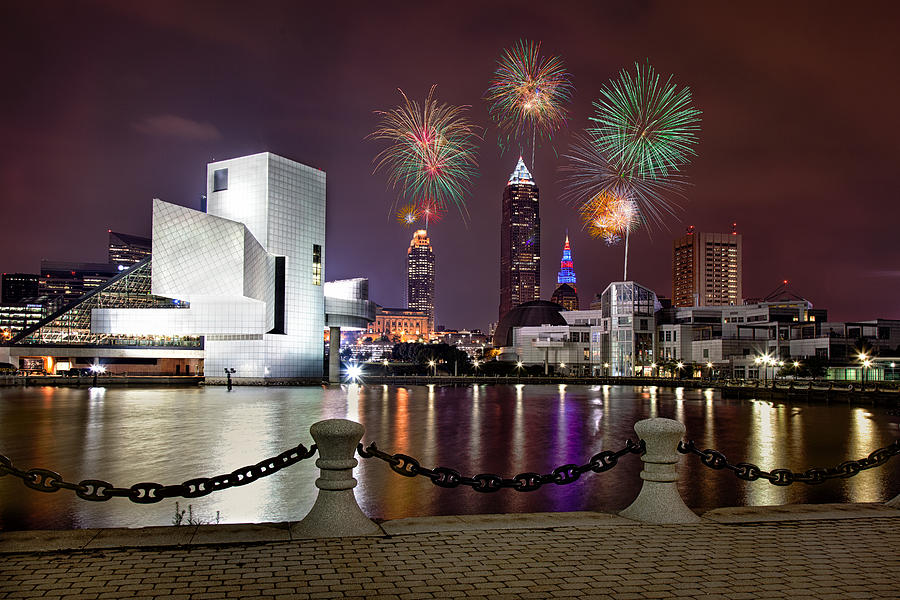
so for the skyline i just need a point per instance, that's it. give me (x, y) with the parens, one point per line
(110, 106)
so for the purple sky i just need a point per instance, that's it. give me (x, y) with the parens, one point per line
(108, 105)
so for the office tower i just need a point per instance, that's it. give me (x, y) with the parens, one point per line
(706, 269)
(520, 241)
(63, 282)
(566, 293)
(18, 286)
(126, 250)
(420, 275)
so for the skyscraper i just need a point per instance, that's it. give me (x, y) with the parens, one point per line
(420, 275)
(566, 293)
(520, 241)
(706, 269)
(126, 250)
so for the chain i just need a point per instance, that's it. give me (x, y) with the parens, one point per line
(97, 490)
(488, 482)
(750, 472)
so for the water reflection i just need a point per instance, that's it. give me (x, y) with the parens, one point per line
(166, 435)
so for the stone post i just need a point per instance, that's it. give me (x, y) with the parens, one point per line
(659, 500)
(895, 503)
(334, 355)
(335, 512)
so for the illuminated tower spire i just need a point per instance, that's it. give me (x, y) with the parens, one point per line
(566, 267)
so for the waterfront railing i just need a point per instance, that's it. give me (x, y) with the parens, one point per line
(338, 441)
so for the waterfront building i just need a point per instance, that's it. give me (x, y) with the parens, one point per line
(528, 314)
(403, 324)
(126, 250)
(520, 241)
(420, 275)
(15, 317)
(706, 269)
(16, 287)
(240, 287)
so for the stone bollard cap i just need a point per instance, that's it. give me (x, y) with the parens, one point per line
(661, 437)
(337, 438)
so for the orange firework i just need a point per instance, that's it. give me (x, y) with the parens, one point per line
(408, 214)
(609, 216)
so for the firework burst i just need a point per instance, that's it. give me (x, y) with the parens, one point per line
(648, 126)
(408, 214)
(529, 91)
(609, 216)
(432, 212)
(431, 151)
(590, 173)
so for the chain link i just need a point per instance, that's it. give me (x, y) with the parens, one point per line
(816, 475)
(488, 482)
(97, 490)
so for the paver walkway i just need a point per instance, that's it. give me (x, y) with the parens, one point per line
(841, 552)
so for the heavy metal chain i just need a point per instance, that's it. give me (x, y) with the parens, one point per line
(488, 482)
(97, 490)
(750, 472)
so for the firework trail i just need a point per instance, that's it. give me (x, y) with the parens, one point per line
(431, 150)
(529, 90)
(646, 125)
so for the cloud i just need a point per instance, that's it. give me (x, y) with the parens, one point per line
(178, 127)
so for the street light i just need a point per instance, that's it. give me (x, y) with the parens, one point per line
(354, 372)
(433, 366)
(864, 359)
(892, 370)
(680, 366)
(709, 366)
(653, 372)
(519, 367)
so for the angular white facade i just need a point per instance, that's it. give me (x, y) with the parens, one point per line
(251, 267)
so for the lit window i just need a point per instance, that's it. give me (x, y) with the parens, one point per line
(317, 265)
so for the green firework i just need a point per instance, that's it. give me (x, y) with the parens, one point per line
(647, 126)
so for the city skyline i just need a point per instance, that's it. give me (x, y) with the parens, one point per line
(811, 201)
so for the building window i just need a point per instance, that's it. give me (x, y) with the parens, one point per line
(220, 180)
(317, 265)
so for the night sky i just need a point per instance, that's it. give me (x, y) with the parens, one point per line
(108, 105)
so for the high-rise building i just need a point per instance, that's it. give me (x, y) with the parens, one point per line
(520, 241)
(64, 282)
(126, 250)
(420, 275)
(706, 269)
(16, 287)
(566, 293)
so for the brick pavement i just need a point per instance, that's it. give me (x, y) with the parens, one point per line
(799, 559)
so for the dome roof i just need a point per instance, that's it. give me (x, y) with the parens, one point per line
(528, 314)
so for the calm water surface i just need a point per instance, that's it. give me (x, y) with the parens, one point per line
(170, 435)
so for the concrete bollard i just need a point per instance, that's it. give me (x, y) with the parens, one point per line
(335, 512)
(895, 503)
(659, 500)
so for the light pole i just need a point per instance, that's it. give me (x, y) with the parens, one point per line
(384, 363)
(433, 366)
(476, 364)
(562, 366)
(96, 369)
(892, 370)
(680, 366)
(519, 367)
(653, 371)
(864, 359)
(606, 369)
(709, 366)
